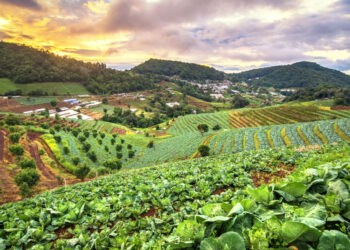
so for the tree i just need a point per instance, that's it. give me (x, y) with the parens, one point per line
(204, 150)
(16, 149)
(217, 127)
(82, 172)
(12, 120)
(66, 150)
(203, 128)
(239, 101)
(105, 101)
(150, 144)
(119, 147)
(29, 176)
(28, 163)
(131, 154)
(14, 137)
(53, 103)
(76, 160)
(112, 164)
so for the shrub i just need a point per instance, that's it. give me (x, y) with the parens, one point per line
(57, 127)
(29, 176)
(106, 148)
(12, 120)
(86, 146)
(87, 134)
(16, 149)
(129, 146)
(82, 172)
(112, 164)
(41, 151)
(27, 163)
(122, 141)
(76, 160)
(204, 150)
(131, 154)
(44, 125)
(81, 138)
(102, 135)
(66, 150)
(94, 134)
(59, 179)
(115, 135)
(25, 190)
(99, 141)
(14, 137)
(92, 156)
(203, 128)
(119, 147)
(57, 138)
(75, 132)
(217, 127)
(119, 155)
(52, 131)
(150, 144)
(105, 100)
(112, 141)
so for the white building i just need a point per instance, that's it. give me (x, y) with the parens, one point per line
(172, 104)
(217, 96)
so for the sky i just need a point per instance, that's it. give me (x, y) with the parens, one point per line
(230, 35)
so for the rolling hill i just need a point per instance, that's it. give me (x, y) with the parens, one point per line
(300, 74)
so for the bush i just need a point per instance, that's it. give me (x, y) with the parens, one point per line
(86, 146)
(28, 163)
(94, 135)
(115, 135)
(99, 141)
(14, 137)
(102, 135)
(217, 127)
(119, 147)
(131, 154)
(81, 138)
(57, 127)
(129, 146)
(92, 156)
(204, 150)
(203, 128)
(75, 132)
(82, 172)
(29, 176)
(16, 149)
(112, 164)
(119, 155)
(66, 150)
(105, 101)
(12, 120)
(106, 148)
(57, 138)
(44, 125)
(112, 141)
(25, 190)
(41, 151)
(59, 179)
(150, 144)
(87, 134)
(122, 141)
(52, 131)
(76, 160)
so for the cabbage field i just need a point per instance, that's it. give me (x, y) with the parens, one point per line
(207, 203)
(238, 140)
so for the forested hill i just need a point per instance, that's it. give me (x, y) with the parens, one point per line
(186, 71)
(301, 74)
(23, 64)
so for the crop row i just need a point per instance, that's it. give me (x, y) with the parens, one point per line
(206, 203)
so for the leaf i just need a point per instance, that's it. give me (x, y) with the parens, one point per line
(237, 209)
(231, 241)
(213, 209)
(292, 231)
(218, 219)
(261, 194)
(333, 240)
(190, 230)
(339, 188)
(210, 244)
(295, 189)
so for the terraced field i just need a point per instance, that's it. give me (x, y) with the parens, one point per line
(105, 127)
(92, 149)
(237, 140)
(256, 118)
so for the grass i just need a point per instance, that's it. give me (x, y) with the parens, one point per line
(35, 100)
(57, 88)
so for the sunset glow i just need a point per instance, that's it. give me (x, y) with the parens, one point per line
(229, 35)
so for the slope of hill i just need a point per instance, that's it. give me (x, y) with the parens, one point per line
(207, 203)
(187, 71)
(23, 64)
(301, 74)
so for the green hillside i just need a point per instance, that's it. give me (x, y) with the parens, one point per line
(187, 71)
(301, 74)
(51, 88)
(208, 203)
(23, 64)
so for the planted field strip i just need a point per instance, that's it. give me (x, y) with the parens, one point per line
(189, 123)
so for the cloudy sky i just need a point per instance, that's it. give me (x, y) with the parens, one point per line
(230, 35)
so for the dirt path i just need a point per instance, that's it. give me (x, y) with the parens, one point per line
(46, 172)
